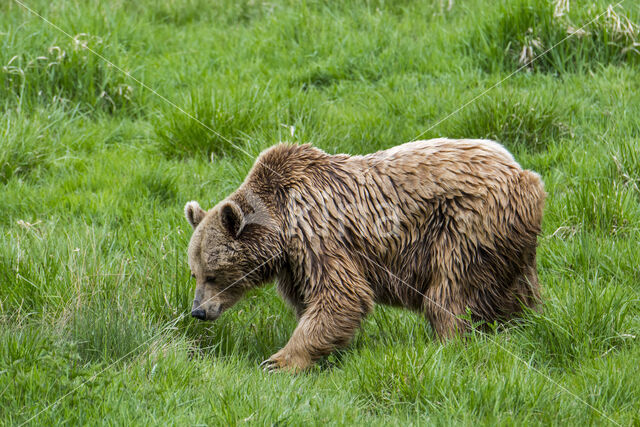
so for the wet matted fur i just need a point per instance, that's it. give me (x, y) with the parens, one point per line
(440, 226)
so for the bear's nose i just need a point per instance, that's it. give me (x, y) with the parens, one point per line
(199, 313)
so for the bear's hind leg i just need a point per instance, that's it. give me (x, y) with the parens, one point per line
(444, 310)
(527, 287)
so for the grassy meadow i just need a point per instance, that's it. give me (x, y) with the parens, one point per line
(95, 290)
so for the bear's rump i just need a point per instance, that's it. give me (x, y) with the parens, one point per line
(486, 261)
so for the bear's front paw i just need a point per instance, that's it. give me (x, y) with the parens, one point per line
(283, 361)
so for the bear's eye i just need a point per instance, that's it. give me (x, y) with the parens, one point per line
(210, 279)
(193, 276)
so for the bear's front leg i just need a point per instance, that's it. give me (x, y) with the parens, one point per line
(328, 323)
(294, 357)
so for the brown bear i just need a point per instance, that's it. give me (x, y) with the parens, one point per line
(444, 227)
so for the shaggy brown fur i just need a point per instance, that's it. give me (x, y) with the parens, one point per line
(438, 226)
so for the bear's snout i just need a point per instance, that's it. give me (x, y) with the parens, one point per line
(204, 312)
(199, 313)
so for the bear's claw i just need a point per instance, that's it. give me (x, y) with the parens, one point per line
(285, 361)
(270, 365)
(267, 365)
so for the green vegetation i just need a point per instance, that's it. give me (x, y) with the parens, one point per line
(95, 170)
(521, 30)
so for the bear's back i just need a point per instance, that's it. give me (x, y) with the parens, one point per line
(416, 175)
(446, 166)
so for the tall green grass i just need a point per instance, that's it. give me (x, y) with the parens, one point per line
(28, 143)
(65, 74)
(576, 38)
(522, 120)
(95, 292)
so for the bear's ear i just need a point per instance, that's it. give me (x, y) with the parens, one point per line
(194, 213)
(232, 218)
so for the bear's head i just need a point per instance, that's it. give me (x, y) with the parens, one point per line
(230, 252)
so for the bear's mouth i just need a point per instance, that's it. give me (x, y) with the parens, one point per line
(206, 313)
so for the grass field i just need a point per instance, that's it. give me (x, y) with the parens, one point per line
(95, 291)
